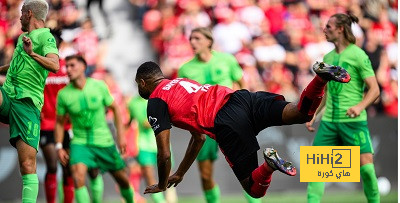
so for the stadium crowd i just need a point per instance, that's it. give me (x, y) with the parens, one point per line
(274, 41)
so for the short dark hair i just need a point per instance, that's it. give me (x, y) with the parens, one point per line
(78, 58)
(148, 70)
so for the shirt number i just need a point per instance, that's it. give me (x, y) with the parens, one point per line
(192, 88)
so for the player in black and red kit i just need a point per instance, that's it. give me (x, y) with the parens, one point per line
(54, 82)
(232, 118)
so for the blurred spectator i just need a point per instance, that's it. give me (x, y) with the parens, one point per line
(229, 35)
(86, 43)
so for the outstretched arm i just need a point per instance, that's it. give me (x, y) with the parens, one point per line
(196, 142)
(163, 162)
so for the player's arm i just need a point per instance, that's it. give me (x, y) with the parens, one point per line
(371, 95)
(4, 68)
(119, 126)
(196, 142)
(50, 62)
(59, 137)
(309, 125)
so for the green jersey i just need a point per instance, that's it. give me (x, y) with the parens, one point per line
(138, 111)
(26, 77)
(222, 69)
(86, 109)
(340, 97)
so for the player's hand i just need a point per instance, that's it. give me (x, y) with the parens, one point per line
(122, 144)
(309, 125)
(63, 156)
(354, 111)
(27, 45)
(174, 180)
(152, 189)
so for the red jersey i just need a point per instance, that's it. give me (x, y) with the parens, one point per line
(186, 104)
(54, 82)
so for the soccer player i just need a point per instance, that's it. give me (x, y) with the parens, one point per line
(147, 156)
(345, 119)
(84, 100)
(54, 82)
(233, 119)
(214, 68)
(22, 93)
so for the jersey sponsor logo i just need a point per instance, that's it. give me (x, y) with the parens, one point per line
(153, 123)
(55, 80)
(172, 83)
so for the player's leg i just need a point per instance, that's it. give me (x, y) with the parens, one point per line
(122, 180)
(96, 185)
(327, 135)
(147, 161)
(50, 157)
(357, 134)
(79, 171)
(68, 181)
(205, 159)
(27, 163)
(109, 159)
(312, 95)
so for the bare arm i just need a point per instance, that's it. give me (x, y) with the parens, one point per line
(4, 68)
(195, 144)
(50, 62)
(309, 125)
(371, 95)
(119, 126)
(59, 137)
(163, 162)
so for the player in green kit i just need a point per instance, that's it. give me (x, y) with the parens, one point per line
(84, 100)
(21, 98)
(345, 119)
(147, 156)
(214, 68)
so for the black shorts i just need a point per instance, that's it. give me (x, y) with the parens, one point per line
(47, 137)
(238, 123)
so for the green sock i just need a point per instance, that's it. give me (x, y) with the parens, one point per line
(251, 199)
(315, 190)
(370, 182)
(158, 197)
(127, 194)
(82, 195)
(30, 188)
(213, 195)
(97, 188)
(60, 191)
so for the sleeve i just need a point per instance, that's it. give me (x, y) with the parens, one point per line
(108, 98)
(365, 68)
(158, 116)
(236, 70)
(60, 108)
(49, 44)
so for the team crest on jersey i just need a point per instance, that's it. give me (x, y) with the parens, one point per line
(153, 123)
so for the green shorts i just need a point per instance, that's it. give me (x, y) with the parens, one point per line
(23, 118)
(105, 158)
(146, 158)
(344, 134)
(209, 151)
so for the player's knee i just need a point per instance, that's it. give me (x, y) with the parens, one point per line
(79, 179)
(28, 166)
